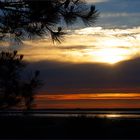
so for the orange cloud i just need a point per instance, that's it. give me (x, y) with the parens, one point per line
(106, 100)
(99, 96)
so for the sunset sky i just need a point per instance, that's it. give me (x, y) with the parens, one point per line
(94, 67)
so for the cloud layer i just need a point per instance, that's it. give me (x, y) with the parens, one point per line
(88, 45)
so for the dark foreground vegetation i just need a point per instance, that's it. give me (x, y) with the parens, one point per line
(68, 127)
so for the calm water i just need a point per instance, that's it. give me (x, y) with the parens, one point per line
(100, 114)
(129, 114)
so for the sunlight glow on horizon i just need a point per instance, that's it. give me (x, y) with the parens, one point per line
(95, 96)
(98, 100)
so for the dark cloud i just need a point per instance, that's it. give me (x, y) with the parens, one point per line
(57, 75)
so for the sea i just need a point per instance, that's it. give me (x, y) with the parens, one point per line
(93, 113)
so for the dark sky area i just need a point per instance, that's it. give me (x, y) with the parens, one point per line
(79, 78)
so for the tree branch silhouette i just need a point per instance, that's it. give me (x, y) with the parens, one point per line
(24, 19)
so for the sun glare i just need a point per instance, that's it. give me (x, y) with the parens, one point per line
(111, 55)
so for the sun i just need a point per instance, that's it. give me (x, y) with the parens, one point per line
(110, 55)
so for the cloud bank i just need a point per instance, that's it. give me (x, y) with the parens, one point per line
(88, 45)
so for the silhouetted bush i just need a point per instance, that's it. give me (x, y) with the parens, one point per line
(14, 90)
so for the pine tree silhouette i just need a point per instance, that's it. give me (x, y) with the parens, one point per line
(24, 19)
(13, 89)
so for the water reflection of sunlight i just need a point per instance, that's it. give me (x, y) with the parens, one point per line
(119, 116)
(113, 116)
